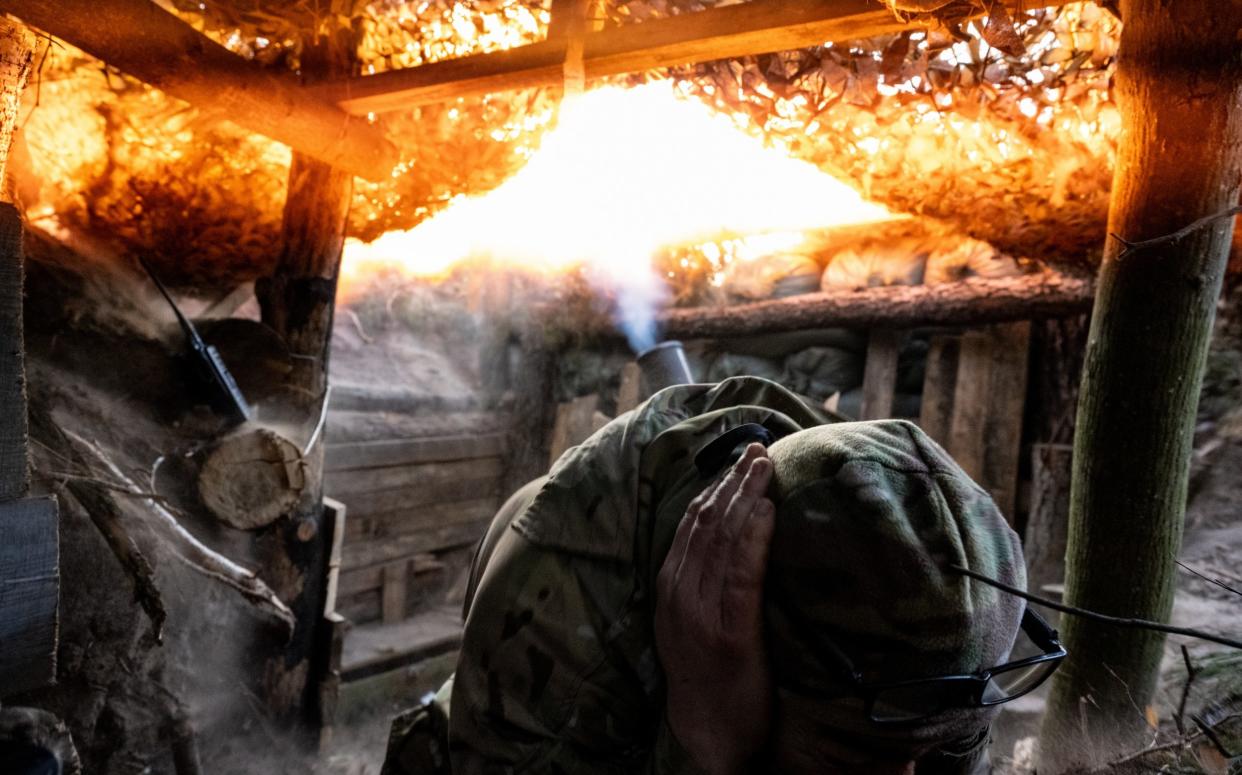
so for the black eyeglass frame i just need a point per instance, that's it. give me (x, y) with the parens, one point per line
(970, 686)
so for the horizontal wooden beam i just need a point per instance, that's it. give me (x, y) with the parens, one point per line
(756, 27)
(145, 41)
(972, 302)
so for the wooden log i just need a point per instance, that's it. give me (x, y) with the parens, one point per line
(297, 302)
(145, 41)
(939, 382)
(29, 590)
(1006, 406)
(251, 478)
(880, 374)
(757, 27)
(401, 452)
(972, 302)
(1179, 160)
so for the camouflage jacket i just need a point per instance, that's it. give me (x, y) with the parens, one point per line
(558, 671)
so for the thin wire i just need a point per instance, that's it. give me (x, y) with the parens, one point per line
(1138, 624)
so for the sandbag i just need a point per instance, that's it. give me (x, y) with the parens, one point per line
(818, 372)
(771, 277)
(968, 258)
(728, 365)
(871, 264)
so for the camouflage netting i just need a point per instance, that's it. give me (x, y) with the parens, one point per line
(1006, 129)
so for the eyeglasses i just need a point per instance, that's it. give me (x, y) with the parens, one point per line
(899, 702)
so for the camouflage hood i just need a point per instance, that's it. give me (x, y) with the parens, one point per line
(870, 515)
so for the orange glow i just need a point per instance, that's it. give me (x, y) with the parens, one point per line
(624, 173)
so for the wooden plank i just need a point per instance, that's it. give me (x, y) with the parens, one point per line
(757, 27)
(395, 580)
(145, 41)
(29, 591)
(361, 607)
(630, 394)
(409, 451)
(970, 403)
(364, 553)
(413, 520)
(574, 423)
(1011, 344)
(14, 468)
(334, 515)
(939, 381)
(1047, 528)
(371, 508)
(378, 646)
(366, 480)
(880, 374)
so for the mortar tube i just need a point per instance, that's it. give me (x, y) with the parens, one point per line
(664, 365)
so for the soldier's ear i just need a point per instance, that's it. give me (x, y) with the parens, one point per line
(727, 448)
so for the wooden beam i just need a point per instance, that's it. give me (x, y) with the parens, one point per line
(972, 302)
(145, 41)
(757, 27)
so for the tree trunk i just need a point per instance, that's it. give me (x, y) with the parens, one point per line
(1179, 85)
(297, 302)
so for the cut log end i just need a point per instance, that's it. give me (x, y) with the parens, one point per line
(252, 478)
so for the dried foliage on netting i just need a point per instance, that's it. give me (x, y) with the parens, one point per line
(1005, 129)
(1013, 146)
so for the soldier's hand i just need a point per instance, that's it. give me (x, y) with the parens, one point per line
(709, 620)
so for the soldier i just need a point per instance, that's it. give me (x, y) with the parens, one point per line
(637, 612)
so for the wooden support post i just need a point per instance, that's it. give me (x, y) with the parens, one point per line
(29, 543)
(297, 302)
(880, 374)
(1179, 160)
(396, 581)
(939, 382)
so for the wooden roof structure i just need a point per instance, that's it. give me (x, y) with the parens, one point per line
(155, 46)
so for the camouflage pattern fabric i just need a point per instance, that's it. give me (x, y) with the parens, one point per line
(558, 671)
(896, 511)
